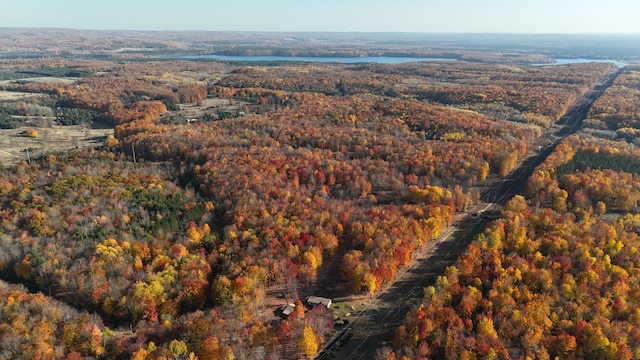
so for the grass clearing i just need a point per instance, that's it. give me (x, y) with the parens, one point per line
(42, 79)
(16, 95)
(54, 138)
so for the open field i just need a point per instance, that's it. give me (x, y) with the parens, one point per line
(16, 95)
(210, 105)
(209, 108)
(14, 143)
(43, 79)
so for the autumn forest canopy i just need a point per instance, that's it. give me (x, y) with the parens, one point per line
(166, 208)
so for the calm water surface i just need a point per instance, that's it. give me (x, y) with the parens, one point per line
(581, 61)
(374, 59)
(345, 60)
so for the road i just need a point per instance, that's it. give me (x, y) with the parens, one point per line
(375, 325)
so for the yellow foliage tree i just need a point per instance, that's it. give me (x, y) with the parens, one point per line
(146, 293)
(95, 340)
(111, 142)
(141, 354)
(137, 263)
(370, 282)
(228, 353)
(221, 290)
(194, 235)
(310, 265)
(483, 171)
(310, 260)
(109, 249)
(329, 243)
(308, 343)
(178, 348)
(485, 327)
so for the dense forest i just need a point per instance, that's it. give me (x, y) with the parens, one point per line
(172, 239)
(556, 276)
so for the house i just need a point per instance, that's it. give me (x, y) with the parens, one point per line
(316, 300)
(288, 309)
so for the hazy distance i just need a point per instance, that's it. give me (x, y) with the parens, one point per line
(456, 16)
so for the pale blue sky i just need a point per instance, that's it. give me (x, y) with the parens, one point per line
(493, 16)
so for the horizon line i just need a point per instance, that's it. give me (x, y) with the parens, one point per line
(313, 31)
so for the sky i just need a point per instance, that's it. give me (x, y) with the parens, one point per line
(430, 16)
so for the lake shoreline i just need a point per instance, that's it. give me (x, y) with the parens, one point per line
(373, 59)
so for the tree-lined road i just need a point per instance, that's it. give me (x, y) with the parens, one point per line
(376, 323)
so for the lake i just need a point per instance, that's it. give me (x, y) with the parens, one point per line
(372, 59)
(581, 61)
(344, 60)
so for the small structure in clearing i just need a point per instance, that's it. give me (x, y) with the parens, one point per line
(317, 300)
(288, 309)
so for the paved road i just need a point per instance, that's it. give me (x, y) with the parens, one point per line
(375, 325)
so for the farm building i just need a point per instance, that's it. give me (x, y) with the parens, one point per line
(288, 309)
(316, 300)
